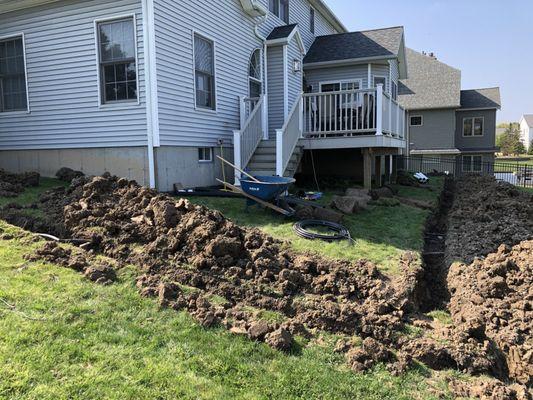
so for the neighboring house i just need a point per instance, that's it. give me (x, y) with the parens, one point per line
(526, 130)
(444, 121)
(153, 90)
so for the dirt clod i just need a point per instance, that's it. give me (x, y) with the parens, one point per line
(11, 185)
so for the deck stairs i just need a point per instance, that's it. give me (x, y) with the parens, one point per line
(263, 162)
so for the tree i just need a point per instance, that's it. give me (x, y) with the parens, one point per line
(530, 151)
(509, 142)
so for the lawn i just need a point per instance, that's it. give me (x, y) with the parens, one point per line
(66, 338)
(381, 233)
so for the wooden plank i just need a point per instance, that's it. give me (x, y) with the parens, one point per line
(257, 200)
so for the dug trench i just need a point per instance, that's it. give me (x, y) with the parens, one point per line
(192, 258)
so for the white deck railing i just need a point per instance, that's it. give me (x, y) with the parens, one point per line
(246, 140)
(288, 136)
(352, 113)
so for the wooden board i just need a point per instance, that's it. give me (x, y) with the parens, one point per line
(257, 200)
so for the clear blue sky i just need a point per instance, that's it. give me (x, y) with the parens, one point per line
(491, 41)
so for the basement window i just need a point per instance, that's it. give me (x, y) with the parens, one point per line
(416, 120)
(205, 154)
(472, 163)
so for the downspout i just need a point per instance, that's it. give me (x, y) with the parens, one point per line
(263, 39)
(150, 82)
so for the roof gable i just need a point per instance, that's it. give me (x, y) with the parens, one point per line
(283, 35)
(344, 47)
(431, 84)
(529, 119)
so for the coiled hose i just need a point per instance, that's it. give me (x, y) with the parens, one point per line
(339, 232)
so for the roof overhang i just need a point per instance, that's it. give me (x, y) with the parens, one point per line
(330, 16)
(436, 151)
(419, 109)
(14, 5)
(402, 59)
(295, 34)
(479, 109)
(353, 61)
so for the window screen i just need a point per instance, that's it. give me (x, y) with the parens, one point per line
(13, 96)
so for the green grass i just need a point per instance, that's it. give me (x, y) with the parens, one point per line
(382, 234)
(66, 338)
(31, 194)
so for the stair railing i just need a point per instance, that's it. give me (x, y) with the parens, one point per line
(246, 140)
(288, 136)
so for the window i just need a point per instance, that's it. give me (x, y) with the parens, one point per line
(416, 120)
(118, 63)
(205, 154)
(255, 75)
(472, 163)
(13, 96)
(381, 80)
(280, 8)
(204, 71)
(337, 86)
(473, 126)
(312, 20)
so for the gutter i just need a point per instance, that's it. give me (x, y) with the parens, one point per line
(350, 61)
(150, 80)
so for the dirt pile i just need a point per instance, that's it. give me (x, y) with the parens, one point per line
(486, 214)
(11, 185)
(93, 269)
(492, 301)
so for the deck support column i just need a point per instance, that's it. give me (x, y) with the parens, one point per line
(379, 171)
(367, 168)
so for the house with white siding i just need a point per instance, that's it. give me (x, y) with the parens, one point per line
(153, 90)
(526, 130)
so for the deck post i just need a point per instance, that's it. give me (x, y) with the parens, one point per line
(237, 155)
(279, 152)
(367, 168)
(242, 107)
(265, 117)
(379, 110)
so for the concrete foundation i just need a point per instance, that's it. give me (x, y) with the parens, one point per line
(127, 162)
(180, 165)
(173, 164)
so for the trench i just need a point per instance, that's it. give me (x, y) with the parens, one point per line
(433, 284)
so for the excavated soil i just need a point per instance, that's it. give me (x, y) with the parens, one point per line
(11, 185)
(192, 258)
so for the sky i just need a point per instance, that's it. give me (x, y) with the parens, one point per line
(490, 41)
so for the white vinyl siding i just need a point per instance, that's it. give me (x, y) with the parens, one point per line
(336, 74)
(62, 71)
(275, 89)
(180, 123)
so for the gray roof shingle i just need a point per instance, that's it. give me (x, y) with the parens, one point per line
(354, 45)
(431, 84)
(281, 32)
(529, 119)
(481, 98)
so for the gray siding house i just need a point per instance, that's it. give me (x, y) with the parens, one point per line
(445, 122)
(153, 90)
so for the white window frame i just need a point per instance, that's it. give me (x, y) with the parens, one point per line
(416, 116)
(28, 109)
(312, 20)
(279, 11)
(118, 104)
(386, 88)
(208, 150)
(473, 135)
(215, 71)
(341, 82)
(472, 163)
(251, 77)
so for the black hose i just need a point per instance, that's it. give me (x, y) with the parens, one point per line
(341, 233)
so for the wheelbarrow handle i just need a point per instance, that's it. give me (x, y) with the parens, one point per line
(238, 169)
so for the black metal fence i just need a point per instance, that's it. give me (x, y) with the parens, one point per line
(518, 174)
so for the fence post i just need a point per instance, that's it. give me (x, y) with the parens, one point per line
(379, 110)
(237, 155)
